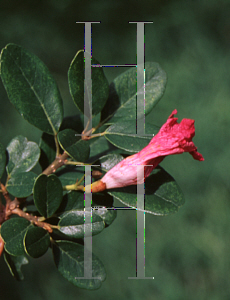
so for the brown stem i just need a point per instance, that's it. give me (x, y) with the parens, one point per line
(2, 214)
(33, 219)
(57, 145)
(6, 196)
(12, 207)
(87, 125)
(86, 135)
(57, 163)
(75, 163)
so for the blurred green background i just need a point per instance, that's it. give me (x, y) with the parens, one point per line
(188, 252)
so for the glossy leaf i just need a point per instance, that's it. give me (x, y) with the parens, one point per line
(102, 205)
(69, 259)
(36, 241)
(72, 223)
(76, 78)
(74, 200)
(21, 184)
(73, 144)
(108, 161)
(69, 174)
(47, 194)
(163, 196)
(2, 159)
(73, 122)
(14, 264)
(123, 135)
(47, 143)
(122, 98)
(107, 214)
(71, 201)
(77, 122)
(23, 155)
(31, 88)
(98, 146)
(13, 232)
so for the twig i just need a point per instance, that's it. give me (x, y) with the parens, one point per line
(57, 145)
(69, 162)
(12, 207)
(75, 186)
(6, 196)
(57, 163)
(97, 134)
(33, 219)
(87, 125)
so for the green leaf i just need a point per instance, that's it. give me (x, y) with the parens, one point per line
(102, 204)
(15, 263)
(108, 215)
(23, 155)
(69, 174)
(99, 146)
(72, 223)
(73, 122)
(47, 143)
(122, 99)
(163, 196)
(76, 78)
(69, 259)
(103, 146)
(47, 194)
(77, 122)
(123, 135)
(21, 184)
(108, 161)
(36, 241)
(2, 159)
(73, 144)
(31, 88)
(13, 232)
(74, 200)
(71, 201)
(48, 150)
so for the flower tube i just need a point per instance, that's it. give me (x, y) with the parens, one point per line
(172, 138)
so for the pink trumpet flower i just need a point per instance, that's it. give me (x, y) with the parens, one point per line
(172, 138)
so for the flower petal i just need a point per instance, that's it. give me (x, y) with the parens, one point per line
(173, 138)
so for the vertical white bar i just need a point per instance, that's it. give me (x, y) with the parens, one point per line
(88, 81)
(140, 123)
(140, 79)
(140, 238)
(140, 264)
(87, 227)
(88, 124)
(88, 253)
(140, 224)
